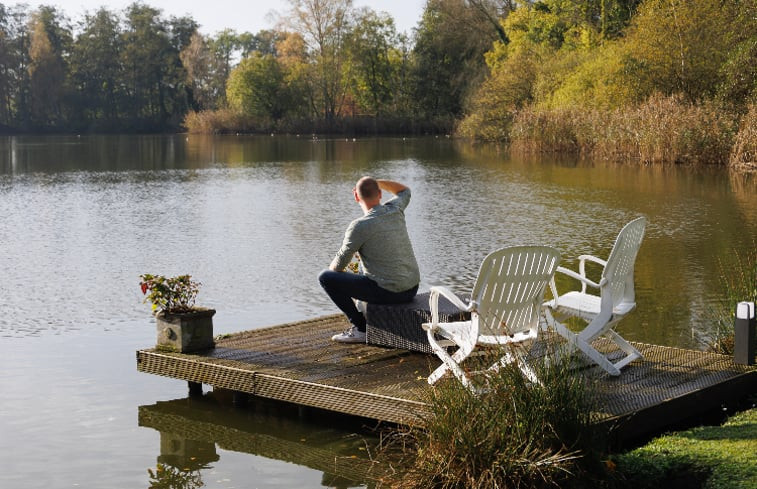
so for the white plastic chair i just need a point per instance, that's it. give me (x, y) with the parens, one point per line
(505, 306)
(602, 312)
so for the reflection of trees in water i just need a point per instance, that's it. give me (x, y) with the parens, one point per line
(167, 477)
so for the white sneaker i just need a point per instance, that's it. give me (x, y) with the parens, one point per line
(352, 335)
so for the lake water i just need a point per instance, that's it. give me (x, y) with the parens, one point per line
(255, 219)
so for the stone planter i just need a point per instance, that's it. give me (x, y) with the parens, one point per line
(185, 332)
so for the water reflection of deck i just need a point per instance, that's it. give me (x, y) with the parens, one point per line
(297, 363)
(191, 429)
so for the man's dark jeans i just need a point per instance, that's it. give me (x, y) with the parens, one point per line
(342, 287)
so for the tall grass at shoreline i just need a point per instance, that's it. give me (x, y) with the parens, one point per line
(516, 434)
(221, 121)
(744, 154)
(228, 121)
(663, 129)
(738, 280)
(660, 130)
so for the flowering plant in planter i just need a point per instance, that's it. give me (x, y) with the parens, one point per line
(182, 326)
(170, 295)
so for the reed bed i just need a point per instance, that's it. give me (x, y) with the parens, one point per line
(225, 121)
(664, 129)
(221, 121)
(744, 154)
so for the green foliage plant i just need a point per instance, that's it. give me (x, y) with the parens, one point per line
(169, 295)
(708, 457)
(515, 434)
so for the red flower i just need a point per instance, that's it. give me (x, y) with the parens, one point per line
(144, 288)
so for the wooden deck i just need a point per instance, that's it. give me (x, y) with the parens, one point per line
(298, 363)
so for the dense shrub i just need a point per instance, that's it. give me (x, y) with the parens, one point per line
(517, 434)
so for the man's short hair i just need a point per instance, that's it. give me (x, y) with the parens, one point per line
(367, 188)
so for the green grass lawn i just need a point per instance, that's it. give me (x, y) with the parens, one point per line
(722, 457)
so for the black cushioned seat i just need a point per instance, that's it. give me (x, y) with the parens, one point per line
(399, 325)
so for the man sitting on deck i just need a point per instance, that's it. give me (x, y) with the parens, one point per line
(389, 269)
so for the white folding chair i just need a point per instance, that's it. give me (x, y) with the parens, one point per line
(601, 312)
(505, 306)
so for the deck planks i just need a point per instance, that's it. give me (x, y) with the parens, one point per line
(298, 363)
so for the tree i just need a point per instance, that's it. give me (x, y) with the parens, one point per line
(506, 90)
(323, 25)
(9, 63)
(293, 56)
(205, 74)
(96, 68)
(49, 42)
(738, 86)
(263, 42)
(153, 71)
(225, 46)
(370, 46)
(450, 43)
(257, 88)
(15, 64)
(679, 46)
(494, 11)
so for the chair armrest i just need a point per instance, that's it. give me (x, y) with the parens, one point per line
(582, 259)
(433, 301)
(585, 258)
(581, 278)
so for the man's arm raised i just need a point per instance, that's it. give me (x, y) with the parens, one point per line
(391, 186)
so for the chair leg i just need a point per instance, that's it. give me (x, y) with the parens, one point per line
(437, 374)
(577, 340)
(597, 357)
(520, 355)
(519, 358)
(449, 362)
(560, 328)
(454, 365)
(631, 352)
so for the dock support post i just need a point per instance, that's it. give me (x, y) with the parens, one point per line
(240, 398)
(195, 389)
(744, 334)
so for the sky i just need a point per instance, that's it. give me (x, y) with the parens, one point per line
(249, 15)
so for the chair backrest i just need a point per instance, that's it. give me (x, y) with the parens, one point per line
(620, 263)
(509, 289)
